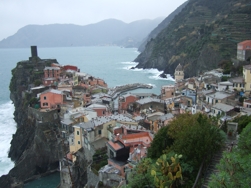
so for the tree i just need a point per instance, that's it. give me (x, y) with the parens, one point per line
(196, 138)
(160, 142)
(234, 168)
(242, 122)
(37, 82)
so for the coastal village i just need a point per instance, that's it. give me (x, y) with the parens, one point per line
(113, 127)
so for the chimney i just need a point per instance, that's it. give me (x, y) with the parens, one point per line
(117, 137)
(125, 131)
(33, 51)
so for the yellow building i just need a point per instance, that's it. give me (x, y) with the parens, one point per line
(179, 73)
(247, 77)
(75, 141)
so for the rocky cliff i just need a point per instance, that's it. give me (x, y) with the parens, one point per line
(199, 37)
(34, 147)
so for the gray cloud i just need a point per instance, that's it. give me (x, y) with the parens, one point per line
(15, 14)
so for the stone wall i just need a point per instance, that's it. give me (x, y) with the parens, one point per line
(43, 116)
(92, 178)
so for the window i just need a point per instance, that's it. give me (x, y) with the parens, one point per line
(78, 142)
(103, 112)
(111, 154)
(44, 97)
(100, 132)
(77, 132)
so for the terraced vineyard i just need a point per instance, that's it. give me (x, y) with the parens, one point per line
(204, 33)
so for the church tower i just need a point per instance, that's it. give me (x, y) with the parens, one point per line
(179, 73)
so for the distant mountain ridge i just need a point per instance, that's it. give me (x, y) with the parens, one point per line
(204, 33)
(106, 32)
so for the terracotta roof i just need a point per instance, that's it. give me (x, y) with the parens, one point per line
(143, 137)
(245, 42)
(115, 145)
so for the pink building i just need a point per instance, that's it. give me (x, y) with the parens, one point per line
(100, 109)
(51, 99)
(247, 104)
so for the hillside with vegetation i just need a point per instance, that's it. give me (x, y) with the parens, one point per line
(161, 26)
(204, 33)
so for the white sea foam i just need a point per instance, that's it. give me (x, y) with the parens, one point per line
(129, 65)
(153, 73)
(137, 52)
(153, 85)
(7, 127)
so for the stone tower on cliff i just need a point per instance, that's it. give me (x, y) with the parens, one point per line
(179, 73)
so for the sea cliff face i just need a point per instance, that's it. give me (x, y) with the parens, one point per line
(204, 33)
(34, 147)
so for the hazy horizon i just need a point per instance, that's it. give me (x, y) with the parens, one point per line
(16, 14)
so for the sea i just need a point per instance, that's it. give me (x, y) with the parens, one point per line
(111, 63)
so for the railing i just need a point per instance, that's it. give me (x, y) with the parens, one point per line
(199, 174)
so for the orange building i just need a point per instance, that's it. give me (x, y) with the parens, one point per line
(52, 72)
(96, 81)
(51, 75)
(51, 99)
(125, 100)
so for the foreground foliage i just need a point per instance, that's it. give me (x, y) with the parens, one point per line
(166, 173)
(234, 168)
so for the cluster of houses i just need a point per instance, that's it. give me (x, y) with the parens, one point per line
(89, 120)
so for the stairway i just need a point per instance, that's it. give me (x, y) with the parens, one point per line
(212, 168)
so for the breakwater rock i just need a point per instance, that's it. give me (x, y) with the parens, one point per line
(114, 92)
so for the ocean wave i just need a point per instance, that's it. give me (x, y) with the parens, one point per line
(157, 77)
(153, 73)
(129, 63)
(8, 127)
(153, 85)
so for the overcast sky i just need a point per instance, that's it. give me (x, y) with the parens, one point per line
(15, 14)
